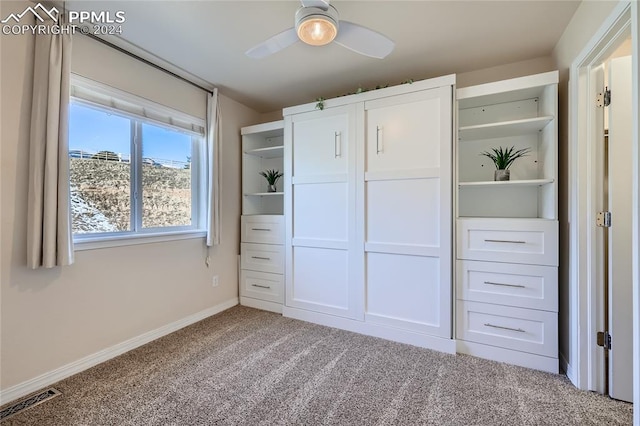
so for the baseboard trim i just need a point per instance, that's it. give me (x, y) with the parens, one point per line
(568, 371)
(51, 377)
(261, 304)
(509, 356)
(376, 330)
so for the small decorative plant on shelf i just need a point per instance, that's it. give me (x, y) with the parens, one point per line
(272, 176)
(503, 158)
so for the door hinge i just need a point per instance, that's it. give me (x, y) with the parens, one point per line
(603, 219)
(604, 339)
(603, 99)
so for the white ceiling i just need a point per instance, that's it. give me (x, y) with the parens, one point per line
(208, 39)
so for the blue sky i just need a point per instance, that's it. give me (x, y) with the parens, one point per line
(93, 130)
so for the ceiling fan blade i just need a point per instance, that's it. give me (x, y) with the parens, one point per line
(320, 4)
(273, 44)
(363, 40)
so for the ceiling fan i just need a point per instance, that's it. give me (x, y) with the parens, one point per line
(317, 24)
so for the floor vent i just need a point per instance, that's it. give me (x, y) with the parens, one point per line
(28, 402)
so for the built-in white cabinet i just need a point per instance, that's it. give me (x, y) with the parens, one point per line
(407, 211)
(321, 152)
(383, 225)
(368, 213)
(262, 222)
(507, 231)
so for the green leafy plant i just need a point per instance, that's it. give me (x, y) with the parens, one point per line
(503, 158)
(360, 89)
(271, 176)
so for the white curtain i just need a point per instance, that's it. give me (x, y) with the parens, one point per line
(213, 169)
(49, 233)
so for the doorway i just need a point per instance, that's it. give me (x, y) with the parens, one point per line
(615, 337)
(597, 253)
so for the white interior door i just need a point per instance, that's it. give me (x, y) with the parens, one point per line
(407, 185)
(620, 234)
(320, 274)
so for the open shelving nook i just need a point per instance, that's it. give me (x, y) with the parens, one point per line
(262, 149)
(506, 271)
(519, 113)
(261, 275)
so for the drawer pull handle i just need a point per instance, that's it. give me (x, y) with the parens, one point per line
(505, 241)
(337, 145)
(261, 229)
(260, 286)
(260, 258)
(519, 330)
(505, 285)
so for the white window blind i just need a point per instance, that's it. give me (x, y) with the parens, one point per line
(122, 102)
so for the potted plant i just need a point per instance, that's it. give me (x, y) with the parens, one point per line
(272, 177)
(503, 158)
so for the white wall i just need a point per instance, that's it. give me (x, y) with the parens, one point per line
(50, 318)
(585, 22)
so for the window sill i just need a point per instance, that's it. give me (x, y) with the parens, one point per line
(93, 243)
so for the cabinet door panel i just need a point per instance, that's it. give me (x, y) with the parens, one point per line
(404, 291)
(321, 278)
(321, 211)
(405, 134)
(404, 211)
(407, 187)
(321, 145)
(321, 271)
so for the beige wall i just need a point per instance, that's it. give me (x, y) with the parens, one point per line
(50, 318)
(102, 63)
(272, 116)
(503, 72)
(585, 22)
(486, 75)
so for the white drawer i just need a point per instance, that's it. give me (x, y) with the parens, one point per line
(266, 229)
(262, 257)
(526, 330)
(531, 241)
(262, 285)
(525, 286)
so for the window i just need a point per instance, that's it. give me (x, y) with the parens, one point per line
(132, 175)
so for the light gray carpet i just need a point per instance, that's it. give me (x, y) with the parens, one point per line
(250, 367)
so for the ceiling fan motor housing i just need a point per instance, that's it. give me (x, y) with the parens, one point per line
(316, 26)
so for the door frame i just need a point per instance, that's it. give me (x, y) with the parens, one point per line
(582, 367)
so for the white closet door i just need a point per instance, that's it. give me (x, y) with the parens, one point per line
(407, 185)
(320, 275)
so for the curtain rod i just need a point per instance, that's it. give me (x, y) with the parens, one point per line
(145, 61)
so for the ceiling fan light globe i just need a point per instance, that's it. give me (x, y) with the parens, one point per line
(315, 26)
(317, 32)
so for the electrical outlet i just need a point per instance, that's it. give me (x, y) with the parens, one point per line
(215, 282)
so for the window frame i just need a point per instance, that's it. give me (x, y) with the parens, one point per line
(198, 166)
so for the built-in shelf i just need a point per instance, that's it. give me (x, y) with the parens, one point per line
(529, 182)
(503, 129)
(268, 152)
(260, 194)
